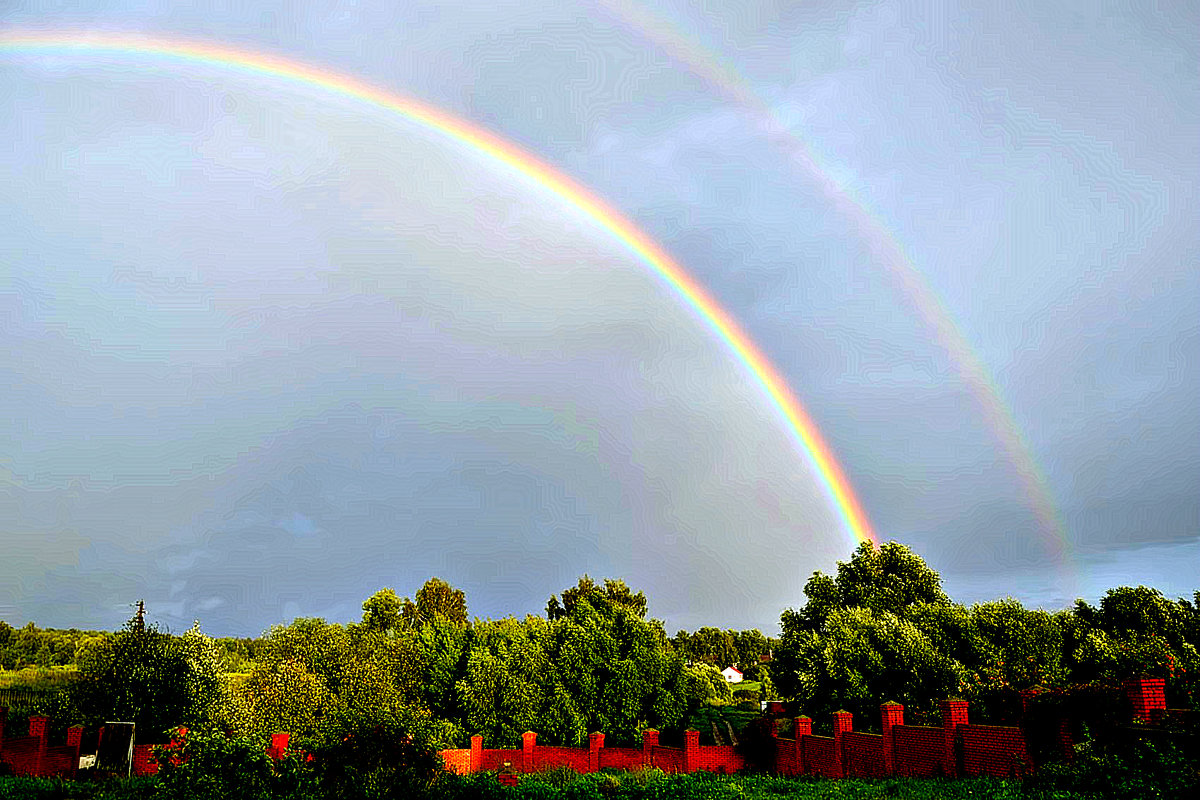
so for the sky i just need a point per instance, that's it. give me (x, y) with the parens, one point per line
(265, 349)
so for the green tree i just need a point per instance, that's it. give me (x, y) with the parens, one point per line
(382, 610)
(436, 599)
(614, 594)
(148, 677)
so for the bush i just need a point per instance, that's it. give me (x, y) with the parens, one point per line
(209, 765)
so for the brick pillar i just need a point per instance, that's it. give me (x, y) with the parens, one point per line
(74, 739)
(801, 727)
(1147, 698)
(476, 753)
(528, 742)
(691, 750)
(843, 723)
(595, 745)
(279, 744)
(890, 715)
(954, 713)
(649, 742)
(3, 720)
(37, 728)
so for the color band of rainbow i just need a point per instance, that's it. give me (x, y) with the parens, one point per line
(719, 74)
(829, 472)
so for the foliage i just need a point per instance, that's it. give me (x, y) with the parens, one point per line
(209, 764)
(436, 600)
(1132, 768)
(614, 594)
(148, 677)
(388, 752)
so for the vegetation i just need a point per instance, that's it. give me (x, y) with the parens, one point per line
(369, 703)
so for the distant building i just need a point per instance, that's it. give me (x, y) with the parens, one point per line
(732, 675)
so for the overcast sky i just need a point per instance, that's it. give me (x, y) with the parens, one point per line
(264, 350)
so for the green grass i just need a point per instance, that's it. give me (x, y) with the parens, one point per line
(705, 716)
(37, 679)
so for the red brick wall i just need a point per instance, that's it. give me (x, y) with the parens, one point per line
(668, 759)
(143, 759)
(575, 758)
(862, 753)
(819, 756)
(785, 757)
(494, 759)
(994, 750)
(21, 755)
(621, 758)
(718, 758)
(918, 750)
(458, 761)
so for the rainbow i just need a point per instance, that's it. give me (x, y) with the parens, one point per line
(830, 475)
(718, 73)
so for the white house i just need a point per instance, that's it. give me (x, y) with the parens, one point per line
(732, 675)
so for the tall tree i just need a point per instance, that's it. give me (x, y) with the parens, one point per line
(436, 599)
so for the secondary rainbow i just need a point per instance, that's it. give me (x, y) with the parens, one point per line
(829, 472)
(720, 74)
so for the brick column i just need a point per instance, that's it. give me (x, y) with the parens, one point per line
(279, 745)
(476, 753)
(954, 713)
(595, 745)
(74, 739)
(37, 727)
(3, 720)
(649, 742)
(1147, 698)
(528, 742)
(801, 727)
(691, 750)
(843, 723)
(890, 715)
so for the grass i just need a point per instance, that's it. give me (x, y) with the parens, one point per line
(705, 716)
(37, 679)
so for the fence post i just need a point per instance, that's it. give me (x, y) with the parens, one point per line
(279, 745)
(843, 722)
(595, 745)
(891, 714)
(74, 740)
(476, 753)
(801, 727)
(649, 742)
(691, 750)
(954, 713)
(528, 742)
(37, 727)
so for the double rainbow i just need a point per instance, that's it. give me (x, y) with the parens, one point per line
(829, 472)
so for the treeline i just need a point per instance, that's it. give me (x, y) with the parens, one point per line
(45, 648)
(881, 628)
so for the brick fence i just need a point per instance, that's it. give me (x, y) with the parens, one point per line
(956, 748)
